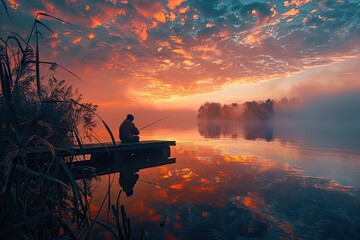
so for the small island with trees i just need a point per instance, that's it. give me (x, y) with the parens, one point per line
(254, 117)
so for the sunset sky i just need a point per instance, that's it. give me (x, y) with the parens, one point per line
(168, 54)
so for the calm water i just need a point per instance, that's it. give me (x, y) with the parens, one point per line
(230, 182)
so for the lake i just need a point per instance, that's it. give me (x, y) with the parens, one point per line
(236, 182)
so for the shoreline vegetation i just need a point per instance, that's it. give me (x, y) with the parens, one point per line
(39, 197)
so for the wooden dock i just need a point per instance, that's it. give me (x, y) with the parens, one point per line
(87, 169)
(105, 158)
(104, 151)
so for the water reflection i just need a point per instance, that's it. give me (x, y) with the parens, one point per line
(211, 194)
(258, 130)
(250, 130)
(342, 137)
(127, 180)
(103, 165)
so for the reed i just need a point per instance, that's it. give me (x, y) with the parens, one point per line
(39, 197)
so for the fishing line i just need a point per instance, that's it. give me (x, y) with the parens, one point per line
(155, 184)
(154, 122)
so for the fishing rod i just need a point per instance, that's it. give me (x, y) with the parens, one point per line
(154, 122)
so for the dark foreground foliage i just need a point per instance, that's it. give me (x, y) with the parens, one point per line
(39, 197)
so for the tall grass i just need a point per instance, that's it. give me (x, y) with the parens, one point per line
(39, 197)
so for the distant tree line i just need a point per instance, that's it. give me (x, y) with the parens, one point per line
(247, 111)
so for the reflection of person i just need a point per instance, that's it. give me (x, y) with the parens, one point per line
(127, 130)
(127, 181)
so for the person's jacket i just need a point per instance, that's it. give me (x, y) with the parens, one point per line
(127, 130)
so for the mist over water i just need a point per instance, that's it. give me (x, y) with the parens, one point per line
(333, 120)
(339, 108)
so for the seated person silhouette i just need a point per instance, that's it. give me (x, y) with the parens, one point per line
(127, 181)
(127, 130)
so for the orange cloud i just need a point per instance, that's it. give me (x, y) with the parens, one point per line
(54, 43)
(106, 15)
(160, 17)
(131, 57)
(297, 3)
(254, 38)
(149, 11)
(91, 36)
(140, 29)
(208, 52)
(273, 10)
(154, 24)
(182, 21)
(95, 22)
(172, 4)
(163, 44)
(183, 53)
(172, 16)
(208, 25)
(77, 40)
(14, 4)
(291, 12)
(183, 10)
(176, 39)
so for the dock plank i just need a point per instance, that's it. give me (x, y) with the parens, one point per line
(95, 148)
